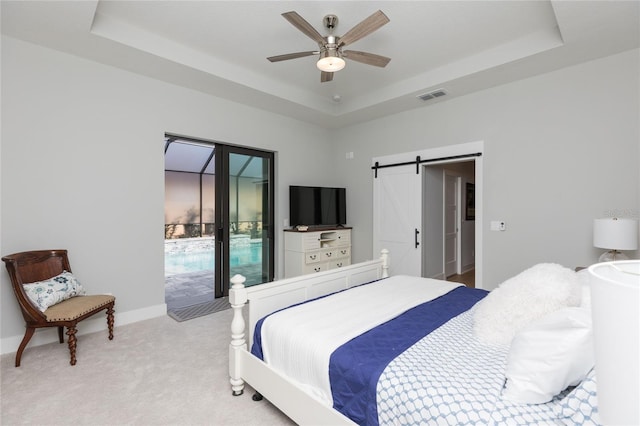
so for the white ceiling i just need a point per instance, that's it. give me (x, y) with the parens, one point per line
(220, 47)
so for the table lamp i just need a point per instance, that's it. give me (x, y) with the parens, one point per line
(615, 291)
(615, 234)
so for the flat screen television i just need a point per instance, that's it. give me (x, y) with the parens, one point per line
(317, 206)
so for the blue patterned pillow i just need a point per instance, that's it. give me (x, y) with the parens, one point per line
(580, 406)
(54, 290)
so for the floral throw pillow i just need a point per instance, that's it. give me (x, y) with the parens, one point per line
(54, 290)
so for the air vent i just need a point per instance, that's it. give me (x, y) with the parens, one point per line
(432, 95)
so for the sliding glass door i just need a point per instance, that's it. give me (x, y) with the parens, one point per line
(244, 235)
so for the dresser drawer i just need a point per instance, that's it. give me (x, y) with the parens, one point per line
(314, 257)
(313, 268)
(339, 263)
(342, 252)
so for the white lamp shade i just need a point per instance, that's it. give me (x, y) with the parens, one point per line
(615, 291)
(615, 233)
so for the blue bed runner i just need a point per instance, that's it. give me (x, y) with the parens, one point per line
(356, 366)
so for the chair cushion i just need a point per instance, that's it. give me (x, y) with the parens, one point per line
(76, 307)
(54, 290)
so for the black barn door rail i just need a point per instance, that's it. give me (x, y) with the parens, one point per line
(419, 161)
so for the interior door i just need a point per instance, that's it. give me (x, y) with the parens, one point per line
(397, 218)
(432, 222)
(244, 235)
(451, 225)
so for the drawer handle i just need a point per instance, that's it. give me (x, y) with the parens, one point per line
(343, 251)
(312, 257)
(339, 265)
(317, 269)
(328, 254)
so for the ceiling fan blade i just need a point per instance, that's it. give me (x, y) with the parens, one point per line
(325, 76)
(364, 28)
(300, 23)
(288, 56)
(367, 58)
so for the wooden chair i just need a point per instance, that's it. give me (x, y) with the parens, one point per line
(33, 266)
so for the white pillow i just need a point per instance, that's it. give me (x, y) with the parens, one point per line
(54, 290)
(584, 281)
(535, 292)
(549, 355)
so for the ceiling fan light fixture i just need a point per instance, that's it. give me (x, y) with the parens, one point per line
(330, 61)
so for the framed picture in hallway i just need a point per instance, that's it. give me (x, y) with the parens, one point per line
(470, 201)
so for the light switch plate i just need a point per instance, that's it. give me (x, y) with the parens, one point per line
(498, 225)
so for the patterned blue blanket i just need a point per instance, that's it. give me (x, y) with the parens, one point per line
(356, 366)
(426, 367)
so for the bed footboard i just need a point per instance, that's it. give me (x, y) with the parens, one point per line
(270, 297)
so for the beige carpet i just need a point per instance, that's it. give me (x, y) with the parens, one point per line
(155, 372)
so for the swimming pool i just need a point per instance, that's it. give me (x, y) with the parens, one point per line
(185, 262)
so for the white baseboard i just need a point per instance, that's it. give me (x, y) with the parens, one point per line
(439, 276)
(467, 268)
(93, 325)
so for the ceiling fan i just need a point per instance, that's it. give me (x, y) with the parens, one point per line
(331, 55)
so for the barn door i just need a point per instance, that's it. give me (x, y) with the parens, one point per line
(397, 218)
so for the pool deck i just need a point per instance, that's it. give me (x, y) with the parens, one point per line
(192, 288)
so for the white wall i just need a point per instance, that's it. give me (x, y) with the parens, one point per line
(83, 169)
(82, 165)
(560, 150)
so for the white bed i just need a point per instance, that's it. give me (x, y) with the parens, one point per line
(465, 388)
(264, 299)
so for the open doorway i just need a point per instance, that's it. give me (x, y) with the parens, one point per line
(189, 211)
(449, 221)
(218, 222)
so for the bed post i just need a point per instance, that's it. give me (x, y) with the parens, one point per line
(384, 256)
(237, 299)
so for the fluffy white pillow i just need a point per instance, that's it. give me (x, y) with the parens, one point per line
(54, 290)
(535, 292)
(549, 355)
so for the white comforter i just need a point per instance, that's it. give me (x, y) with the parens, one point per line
(299, 341)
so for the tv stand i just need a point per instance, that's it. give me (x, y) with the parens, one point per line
(316, 250)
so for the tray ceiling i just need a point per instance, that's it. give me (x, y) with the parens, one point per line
(220, 47)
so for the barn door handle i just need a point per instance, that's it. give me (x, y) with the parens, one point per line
(416, 238)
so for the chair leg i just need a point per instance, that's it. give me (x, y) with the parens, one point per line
(27, 336)
(110, 321)
(60, 335)
(71, 332)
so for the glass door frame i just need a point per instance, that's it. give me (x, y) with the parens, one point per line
(223, 219)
